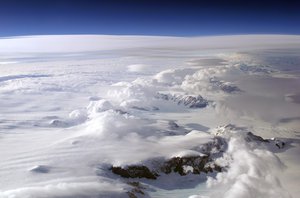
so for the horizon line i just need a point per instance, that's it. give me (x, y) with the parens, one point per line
(151, 35)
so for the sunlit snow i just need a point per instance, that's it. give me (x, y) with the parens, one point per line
(74, 107)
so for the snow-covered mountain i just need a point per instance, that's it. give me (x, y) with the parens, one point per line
(130, 116)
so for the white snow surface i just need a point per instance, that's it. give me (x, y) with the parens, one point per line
(72, 106)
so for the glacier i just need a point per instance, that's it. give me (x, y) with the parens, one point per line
(145, 116)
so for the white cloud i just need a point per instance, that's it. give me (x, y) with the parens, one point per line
(251, 174)
(68, 190)
(110, 131)
(139, 68)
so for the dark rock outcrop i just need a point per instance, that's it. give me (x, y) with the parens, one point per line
(251, 137)
(225, 86)
(178, 164)
(256, 69)
(194, 164)
(173, 125)
(40, 169)
(186, 100)
(278, 143)
(134, 171)
(59, 123)
(137, 189)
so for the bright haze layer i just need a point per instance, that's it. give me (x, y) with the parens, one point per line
(127, 99)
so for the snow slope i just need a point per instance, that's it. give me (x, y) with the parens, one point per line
(72, 107)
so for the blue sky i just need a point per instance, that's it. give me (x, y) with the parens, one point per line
(141, 17)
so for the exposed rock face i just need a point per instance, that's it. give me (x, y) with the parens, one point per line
(180, 165)
(183, 165)
(278, 143)
(137, 189)
(217, 146)
(203, 162)
(40, 169)
(228, 88)
(173, 125)
(225, 86)
(251, 137)
(186, 100)
(145, 108)
(256, 69)
(134, 171)
(58, 123)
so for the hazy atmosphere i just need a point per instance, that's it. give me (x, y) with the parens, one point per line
(149, 99)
